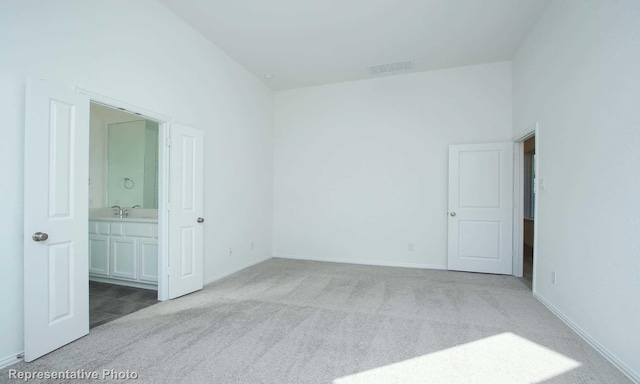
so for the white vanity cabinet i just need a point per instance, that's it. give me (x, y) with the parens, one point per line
(98, 254)
(123, 252)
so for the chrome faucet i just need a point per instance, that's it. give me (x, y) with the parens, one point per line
(118, 211)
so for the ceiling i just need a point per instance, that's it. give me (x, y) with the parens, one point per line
(305, 43)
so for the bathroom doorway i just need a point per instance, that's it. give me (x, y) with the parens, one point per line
(123, 213)
(56, 214)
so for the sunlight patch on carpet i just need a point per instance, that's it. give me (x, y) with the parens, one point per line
(504, 358)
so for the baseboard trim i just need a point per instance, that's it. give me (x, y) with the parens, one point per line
(7, 361)
(360, 262)
(223, 275)
(126, 283)
(634, 376)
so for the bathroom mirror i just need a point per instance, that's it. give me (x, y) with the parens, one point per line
(123, 159)
(132, 164)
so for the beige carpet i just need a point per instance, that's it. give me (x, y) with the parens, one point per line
(286, 321)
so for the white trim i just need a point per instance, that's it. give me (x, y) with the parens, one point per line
(164, 123)
(109, 102)
(229, 273)
(7, 361)
(163, 211)
(518, 208)
(361, 262)
(634, 376)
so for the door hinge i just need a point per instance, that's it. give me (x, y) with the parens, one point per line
(168, 141)
(168, 207)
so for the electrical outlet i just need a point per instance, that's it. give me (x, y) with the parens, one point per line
(411, 247)
(553, 277)
(230, 251)
(252, 245)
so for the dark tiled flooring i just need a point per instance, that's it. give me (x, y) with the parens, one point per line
(108, 302)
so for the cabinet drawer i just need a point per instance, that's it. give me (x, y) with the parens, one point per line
(141, 229)
(117, 229)
(99, 227)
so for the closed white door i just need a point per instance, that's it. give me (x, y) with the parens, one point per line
(481, 208)
(186, 197)
(56, 174)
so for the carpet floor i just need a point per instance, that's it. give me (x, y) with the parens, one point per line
(288, 321)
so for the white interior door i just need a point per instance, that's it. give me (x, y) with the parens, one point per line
(186, 201)
(56, 174)
(480, 207)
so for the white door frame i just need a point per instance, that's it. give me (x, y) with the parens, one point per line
(518, 207)
(164, 123)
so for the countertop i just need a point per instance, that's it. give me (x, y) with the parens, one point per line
(130, 219)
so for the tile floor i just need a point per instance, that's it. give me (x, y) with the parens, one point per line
(108, 302)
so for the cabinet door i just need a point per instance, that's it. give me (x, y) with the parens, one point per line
(148, 259)
(123, 257)
(99, 255)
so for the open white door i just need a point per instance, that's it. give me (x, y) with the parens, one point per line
(186, 197)
(480, 207)
(56, 174)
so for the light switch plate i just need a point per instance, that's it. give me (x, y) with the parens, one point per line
(543, 184)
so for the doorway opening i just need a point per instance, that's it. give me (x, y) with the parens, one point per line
(124, 193)
(525, 220)
(529, 201)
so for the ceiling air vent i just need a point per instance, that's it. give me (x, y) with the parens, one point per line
(386, 69)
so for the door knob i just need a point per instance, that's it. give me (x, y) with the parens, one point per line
(200, 220)
(40, 236)
(452, 214)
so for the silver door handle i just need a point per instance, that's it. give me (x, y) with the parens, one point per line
(40, 236)
(452, 214)
(200, 220)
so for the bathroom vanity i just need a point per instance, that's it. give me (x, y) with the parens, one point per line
(124, 251)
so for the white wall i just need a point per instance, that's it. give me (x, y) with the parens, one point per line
(142, 54)
(361, 167)
(577, 74)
